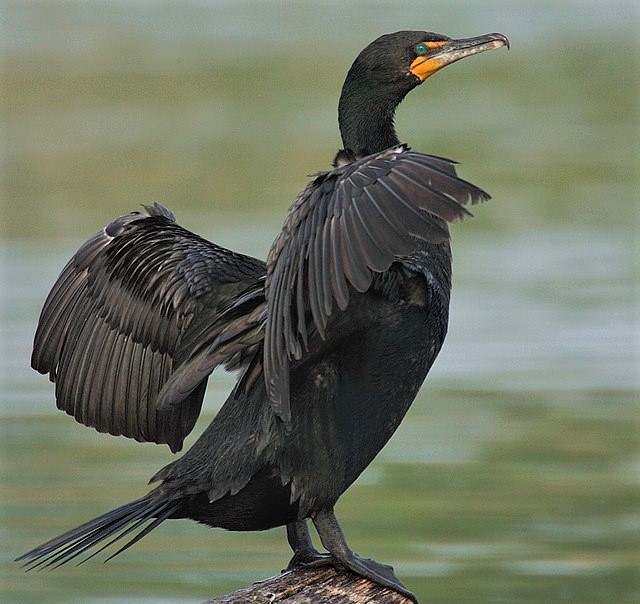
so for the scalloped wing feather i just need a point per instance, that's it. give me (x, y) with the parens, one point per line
(346, 225)
(110, 330)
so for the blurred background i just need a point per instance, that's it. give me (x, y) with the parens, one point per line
(515, 476)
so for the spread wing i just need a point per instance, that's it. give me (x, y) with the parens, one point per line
(122, 316)
(347, 224)
(234, 339)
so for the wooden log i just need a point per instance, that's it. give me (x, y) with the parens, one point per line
(325, 585)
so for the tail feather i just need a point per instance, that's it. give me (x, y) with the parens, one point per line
(160, 518)
(109, 527)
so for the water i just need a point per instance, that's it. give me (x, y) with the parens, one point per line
(515, 475)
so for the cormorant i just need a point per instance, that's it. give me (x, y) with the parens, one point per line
(332, 336)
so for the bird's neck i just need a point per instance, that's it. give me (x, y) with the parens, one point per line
(366, 121)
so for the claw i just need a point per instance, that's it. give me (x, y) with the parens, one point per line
(309, 560)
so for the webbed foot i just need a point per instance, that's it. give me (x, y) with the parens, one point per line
(333, 539)
(377, 572)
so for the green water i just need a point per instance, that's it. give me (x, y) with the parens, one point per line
(515, 476)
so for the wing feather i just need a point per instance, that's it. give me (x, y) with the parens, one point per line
(110, 331)
(354, 268)
(395, 233)
(339, 285)
(348, 224)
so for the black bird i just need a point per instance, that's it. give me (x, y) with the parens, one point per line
(332, 336)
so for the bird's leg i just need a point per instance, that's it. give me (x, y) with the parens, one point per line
(304, 554)
(333, 539)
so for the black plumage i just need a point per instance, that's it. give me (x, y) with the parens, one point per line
(332, 336)
(111, 329)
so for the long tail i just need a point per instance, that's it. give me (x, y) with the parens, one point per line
(109, 527)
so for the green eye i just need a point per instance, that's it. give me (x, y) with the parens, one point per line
(421, 49)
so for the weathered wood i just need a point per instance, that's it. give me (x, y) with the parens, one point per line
(325, 585)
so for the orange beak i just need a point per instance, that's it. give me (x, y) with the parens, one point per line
(449, 51)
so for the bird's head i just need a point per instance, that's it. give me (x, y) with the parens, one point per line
(386, 70)
(410, 57)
